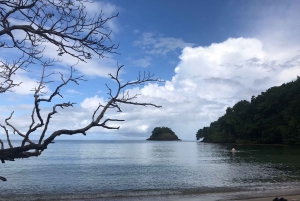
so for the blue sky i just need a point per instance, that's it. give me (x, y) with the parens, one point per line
(211, 54)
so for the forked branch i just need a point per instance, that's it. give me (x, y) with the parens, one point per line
(28, 148)
(65, 24)
(8, 70)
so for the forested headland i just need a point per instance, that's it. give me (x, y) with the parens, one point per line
(273, 117)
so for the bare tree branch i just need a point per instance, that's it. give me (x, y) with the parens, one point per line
(62, 23)
(35, 149)
(7, 137)
(66, 25)
(2, 145)
(7, 70)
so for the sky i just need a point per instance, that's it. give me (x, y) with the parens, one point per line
(210, 54)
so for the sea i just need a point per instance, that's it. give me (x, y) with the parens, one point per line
(151, 170)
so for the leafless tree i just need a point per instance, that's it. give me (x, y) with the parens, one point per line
(29, 25)
(65, 24)
(28, 148)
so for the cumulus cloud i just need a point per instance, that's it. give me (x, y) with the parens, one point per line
(92, 103)
(207, 80)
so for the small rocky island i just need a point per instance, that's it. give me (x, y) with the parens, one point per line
(163, 134)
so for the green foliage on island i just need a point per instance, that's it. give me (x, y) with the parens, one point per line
(270, 118)
(163, 134)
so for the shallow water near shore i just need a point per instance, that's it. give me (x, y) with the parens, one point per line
(110, 170)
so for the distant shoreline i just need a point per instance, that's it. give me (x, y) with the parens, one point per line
(163, 140)
(232, 143)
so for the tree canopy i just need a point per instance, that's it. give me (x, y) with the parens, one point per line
(163, 133)
(273, 117)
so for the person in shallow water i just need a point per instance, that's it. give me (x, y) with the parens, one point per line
(233, 149)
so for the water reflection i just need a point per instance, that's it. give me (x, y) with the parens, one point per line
(261, 164)
(110, 166)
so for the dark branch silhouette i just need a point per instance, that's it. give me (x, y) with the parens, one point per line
(7, 70)
(28, 26)
(28, 148)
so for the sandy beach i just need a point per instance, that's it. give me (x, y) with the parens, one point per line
(197, 198)
(200, 198)
(292, 194)
(288, 198)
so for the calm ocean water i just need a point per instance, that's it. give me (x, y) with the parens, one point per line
(108, 169)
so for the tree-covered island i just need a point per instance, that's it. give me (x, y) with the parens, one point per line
(273, 117)
(163, 134)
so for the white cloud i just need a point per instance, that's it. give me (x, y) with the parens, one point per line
(223, 60)
(95, 67)
(154, 44)
(27, 84)
(143, 62)
(92, 103)
(73, 91)
(206, 81)
(107, 9)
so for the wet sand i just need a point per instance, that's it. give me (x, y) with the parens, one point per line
(289, 198)
(292, 194)
(195, 198)
(199, 198)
